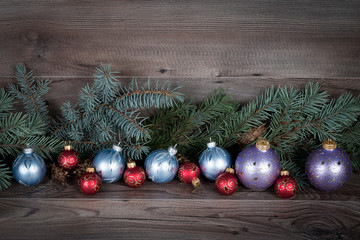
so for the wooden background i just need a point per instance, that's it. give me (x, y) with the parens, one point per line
(241, 46)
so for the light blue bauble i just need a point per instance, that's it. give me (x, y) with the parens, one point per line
(214, 161)
(109, 164)
(29, 168)
(161, 165)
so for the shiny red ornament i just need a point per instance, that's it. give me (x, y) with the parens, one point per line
(285, 186)
(189, 173)
(68, 159)
(226, 183)
(90, 182)
(134, 176)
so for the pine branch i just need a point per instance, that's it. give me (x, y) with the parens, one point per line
(294, 121)
(108, 111)
(31, 92)
(5, 177)
(188, 125)
(5, 102)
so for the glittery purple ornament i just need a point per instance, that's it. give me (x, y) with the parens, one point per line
(328, 167)
(258, 166)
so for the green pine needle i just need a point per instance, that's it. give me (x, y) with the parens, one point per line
(108, 113)
(5, 177)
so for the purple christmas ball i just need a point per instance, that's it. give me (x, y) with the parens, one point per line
(328, 167)
(258, 166)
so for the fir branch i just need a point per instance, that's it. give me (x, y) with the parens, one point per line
(249, 116)
(5, 176)
(31, 92)
(5, 102)
(108, 111)
(294, 121)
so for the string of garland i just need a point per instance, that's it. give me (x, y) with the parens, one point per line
(295, 121)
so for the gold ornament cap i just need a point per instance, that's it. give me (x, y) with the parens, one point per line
(262, 145)
(230, 170)
(284, 173)
(131, 164)
(90, 170)
(329, 144)
(68, 147)
(196, 182)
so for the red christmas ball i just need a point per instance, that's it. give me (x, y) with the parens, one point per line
(68, 159)
(134, 176)
(285, 186)
(90, 182)
(226, 183)
(189, 173)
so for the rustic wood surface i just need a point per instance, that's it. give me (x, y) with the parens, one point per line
(204, 38)
(241, 89)
(177, 211)
(241, 46)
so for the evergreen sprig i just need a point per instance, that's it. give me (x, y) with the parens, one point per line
(5, 176)
(189, 125)
(31, 92)
(18, 130)
(108, 112)
(296, 122)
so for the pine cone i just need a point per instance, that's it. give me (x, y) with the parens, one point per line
(182, 159)
(83, 165)
(59, 175)
(252, 135)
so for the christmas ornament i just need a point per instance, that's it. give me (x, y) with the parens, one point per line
(328, 167)
(285, 186)
(189, 173)
(110, 164)
(258, 166)
(161, 165)
(90, 182)
(134, 176)
(29, 168)
(226, 183)
(214, 161)
(68, 159)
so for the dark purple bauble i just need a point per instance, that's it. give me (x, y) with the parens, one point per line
(258, 166)
(328, 169)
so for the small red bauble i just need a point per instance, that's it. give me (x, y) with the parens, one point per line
(189, 173)
(90, 182)
(68, 159)
(226, 183)
(134, 176)
(285, 186)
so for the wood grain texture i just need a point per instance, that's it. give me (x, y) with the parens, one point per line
(175, 211)
(205, 38)
(242, 90)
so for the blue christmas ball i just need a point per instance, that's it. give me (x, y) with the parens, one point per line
(110, 164)
(161, 165)
(213, 161)
(328, 167)
(258, 166)
(29, 168)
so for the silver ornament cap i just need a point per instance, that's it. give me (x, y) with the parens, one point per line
(211, 144)
(172, 151)
(28, 150)
(117, 148)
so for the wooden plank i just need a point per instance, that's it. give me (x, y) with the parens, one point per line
(177, 219)
(172, 191)
(173, 210)
(183, 39)
(241, 89)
